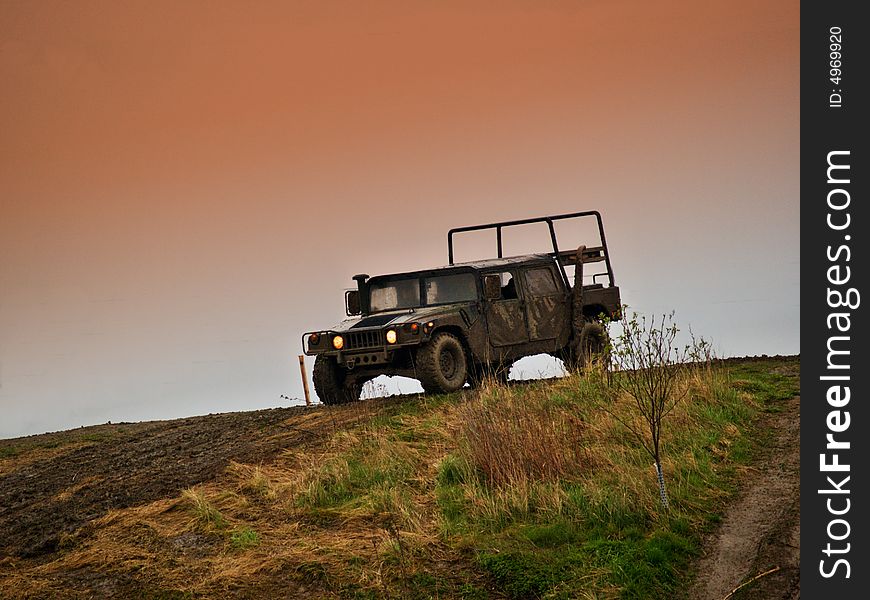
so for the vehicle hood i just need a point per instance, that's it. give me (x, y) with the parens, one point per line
(400, 317)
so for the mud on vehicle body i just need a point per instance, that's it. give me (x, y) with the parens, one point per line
(453, 324)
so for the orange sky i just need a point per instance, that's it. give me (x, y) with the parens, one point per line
(186, 187)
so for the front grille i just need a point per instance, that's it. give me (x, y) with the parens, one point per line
(356, 340)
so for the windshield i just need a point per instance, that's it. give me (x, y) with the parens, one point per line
(390, 295)
(405, 293)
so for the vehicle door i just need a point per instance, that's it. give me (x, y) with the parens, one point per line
(546, 304)
(505, 316)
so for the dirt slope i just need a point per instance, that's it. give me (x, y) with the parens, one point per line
(53, 484)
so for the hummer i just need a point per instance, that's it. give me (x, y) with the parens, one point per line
(452, 325)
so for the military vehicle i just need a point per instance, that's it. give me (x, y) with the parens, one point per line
(453, 325)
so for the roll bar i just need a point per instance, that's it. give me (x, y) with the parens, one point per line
(561, 255)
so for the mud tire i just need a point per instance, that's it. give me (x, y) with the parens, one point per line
(331, 382)
(442, 365)
(592, 344)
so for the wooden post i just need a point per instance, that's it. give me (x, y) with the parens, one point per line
(304, 380)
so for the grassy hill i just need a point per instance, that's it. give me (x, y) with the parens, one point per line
(532, 490)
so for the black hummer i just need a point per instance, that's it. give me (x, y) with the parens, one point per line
(453, 324)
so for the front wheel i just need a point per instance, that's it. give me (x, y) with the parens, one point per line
(441, 364)
(331, 382)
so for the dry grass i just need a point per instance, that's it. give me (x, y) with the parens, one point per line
(518, 449)
(72, 490)
(254, 481)
(513, 438)
(206, 516)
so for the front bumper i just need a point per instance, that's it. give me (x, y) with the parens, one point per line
(362, 347)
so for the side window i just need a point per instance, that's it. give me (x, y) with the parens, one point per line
(507, 285)
(461, 287)
(540, 282)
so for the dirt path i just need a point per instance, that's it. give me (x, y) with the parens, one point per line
(761, 530)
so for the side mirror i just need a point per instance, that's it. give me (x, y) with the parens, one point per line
(492, 287)
(351, 303)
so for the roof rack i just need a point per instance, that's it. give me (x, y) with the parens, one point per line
(566, 257)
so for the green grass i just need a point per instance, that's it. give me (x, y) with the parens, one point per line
(768, 381)
(360, 475)
(244, 538)
(9, 451)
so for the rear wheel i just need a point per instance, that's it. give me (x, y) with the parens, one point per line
(331, 382)
(441, 364)
(592, 344)
(594, 341)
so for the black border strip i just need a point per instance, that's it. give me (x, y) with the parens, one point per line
(834, 261)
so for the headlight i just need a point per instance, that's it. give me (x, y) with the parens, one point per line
(314, 339)
(338, 342)
(391, 336)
